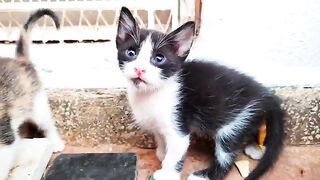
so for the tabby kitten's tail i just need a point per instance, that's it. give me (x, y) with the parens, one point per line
(22, 52)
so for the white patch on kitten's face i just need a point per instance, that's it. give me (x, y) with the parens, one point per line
(152, 75)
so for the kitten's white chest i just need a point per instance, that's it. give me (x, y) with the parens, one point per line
(155, 111)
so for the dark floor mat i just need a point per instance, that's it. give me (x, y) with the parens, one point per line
(93, 167)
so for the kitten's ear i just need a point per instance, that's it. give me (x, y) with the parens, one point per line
(127, 25)
(184, 37)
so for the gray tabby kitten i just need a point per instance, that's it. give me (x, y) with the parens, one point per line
(23, 98)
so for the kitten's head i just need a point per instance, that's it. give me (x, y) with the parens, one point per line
(150, 58)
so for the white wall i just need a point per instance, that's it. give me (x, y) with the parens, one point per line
(276, 41)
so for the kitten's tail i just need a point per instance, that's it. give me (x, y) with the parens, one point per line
(274, 139)
(22, 44)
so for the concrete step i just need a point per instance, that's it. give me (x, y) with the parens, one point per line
(101, 116)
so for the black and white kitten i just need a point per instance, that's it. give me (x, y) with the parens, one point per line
(172, 98)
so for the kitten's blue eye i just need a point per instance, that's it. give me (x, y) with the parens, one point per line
(158, 59)
(131, 53)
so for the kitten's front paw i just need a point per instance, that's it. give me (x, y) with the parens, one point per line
(194, 177)
(165, 175)
(160, 154)
(58, 145)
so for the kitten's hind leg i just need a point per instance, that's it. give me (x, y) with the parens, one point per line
(228, 141)
(43, 118)
(224, 158)
(8, 146)
(226, 146)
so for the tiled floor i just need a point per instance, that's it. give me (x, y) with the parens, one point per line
(302, 162)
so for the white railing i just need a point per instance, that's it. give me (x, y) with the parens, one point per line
(85, 19)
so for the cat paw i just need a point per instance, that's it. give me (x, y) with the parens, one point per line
(254, 152)
(160, 154)
(58, 145)
(194, 177)
(165, 175)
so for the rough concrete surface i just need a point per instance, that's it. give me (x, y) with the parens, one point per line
(303, 115)
(101, 116)
(94, 117)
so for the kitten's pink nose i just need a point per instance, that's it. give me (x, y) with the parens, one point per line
(139, 72)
